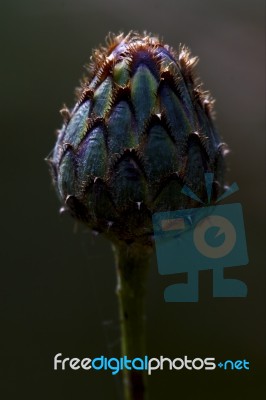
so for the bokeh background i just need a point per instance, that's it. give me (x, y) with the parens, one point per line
(57, 280)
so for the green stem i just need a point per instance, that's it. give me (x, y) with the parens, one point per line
(132, 263)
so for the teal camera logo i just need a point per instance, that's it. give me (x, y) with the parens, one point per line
(205, 238)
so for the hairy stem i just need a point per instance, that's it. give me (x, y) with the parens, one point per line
(132, 263)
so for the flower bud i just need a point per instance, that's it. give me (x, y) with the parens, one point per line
(141, 129)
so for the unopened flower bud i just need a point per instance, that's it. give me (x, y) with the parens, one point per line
(141, 129)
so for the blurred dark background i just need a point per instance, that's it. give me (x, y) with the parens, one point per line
(57, 281)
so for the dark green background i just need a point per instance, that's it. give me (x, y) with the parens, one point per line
(57, 282)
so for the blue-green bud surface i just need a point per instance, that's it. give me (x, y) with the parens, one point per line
(141, 129)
